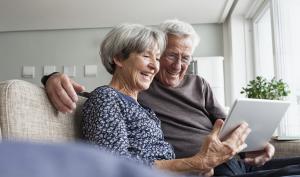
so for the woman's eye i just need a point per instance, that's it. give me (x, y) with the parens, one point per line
(157, 59)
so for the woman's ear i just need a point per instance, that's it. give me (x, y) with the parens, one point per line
(118, 61)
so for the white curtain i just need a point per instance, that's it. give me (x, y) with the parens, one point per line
(286, 26)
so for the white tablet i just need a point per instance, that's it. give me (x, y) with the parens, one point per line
(263, 117)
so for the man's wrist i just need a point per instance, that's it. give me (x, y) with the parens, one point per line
(46, 77)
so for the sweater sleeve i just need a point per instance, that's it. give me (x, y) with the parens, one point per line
(103, 123)
(212, 104)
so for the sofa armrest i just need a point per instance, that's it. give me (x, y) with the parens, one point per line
(27, 114)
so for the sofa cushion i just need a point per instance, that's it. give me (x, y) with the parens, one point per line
(27, 114)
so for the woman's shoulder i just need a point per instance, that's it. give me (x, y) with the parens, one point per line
(102, 98)
(108, 96)
(103, 93)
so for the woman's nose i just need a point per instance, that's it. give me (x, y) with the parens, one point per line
(154, 65)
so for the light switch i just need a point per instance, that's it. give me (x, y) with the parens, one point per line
(49, 69)
(90, 70)
(28, 71)
(70, 71)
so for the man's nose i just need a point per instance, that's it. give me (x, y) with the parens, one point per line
(177, 64)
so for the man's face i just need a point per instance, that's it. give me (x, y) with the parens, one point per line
(175, 60)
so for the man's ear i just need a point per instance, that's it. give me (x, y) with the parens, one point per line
(118, 61)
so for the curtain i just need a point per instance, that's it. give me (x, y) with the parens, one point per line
(286, 35)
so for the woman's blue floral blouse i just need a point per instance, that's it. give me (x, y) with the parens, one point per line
(118, 123)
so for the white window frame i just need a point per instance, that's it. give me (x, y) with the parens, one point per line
(262, 10)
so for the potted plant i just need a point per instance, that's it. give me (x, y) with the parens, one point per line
(260, 88)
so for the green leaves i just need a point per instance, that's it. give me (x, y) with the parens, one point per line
(260, 88)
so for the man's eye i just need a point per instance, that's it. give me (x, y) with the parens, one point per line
(172, 57)
(186, 59)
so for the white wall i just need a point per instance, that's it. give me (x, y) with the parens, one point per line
(16, 15)
(76, 47)
(59, 47)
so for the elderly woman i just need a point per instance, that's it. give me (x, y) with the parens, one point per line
(113, 119)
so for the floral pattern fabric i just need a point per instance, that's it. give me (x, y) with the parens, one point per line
(120, 124)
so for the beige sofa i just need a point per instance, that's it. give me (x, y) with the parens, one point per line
(27, 114)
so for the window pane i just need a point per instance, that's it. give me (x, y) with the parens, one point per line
(264, 61)
(294, 27)
(294, 23)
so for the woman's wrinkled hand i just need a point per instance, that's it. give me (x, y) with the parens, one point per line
(214, 151)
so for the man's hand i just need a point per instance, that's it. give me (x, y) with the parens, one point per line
(214, 151)
(259, 158)
(61, 91)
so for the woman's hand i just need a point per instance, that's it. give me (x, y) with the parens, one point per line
(214, 152)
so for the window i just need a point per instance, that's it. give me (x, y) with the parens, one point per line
(276, 40)
(264, 60)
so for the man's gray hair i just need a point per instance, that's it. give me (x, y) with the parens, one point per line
(127, 38)
(180, 28)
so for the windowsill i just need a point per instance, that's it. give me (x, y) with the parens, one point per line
(286, 148)
(286, 138)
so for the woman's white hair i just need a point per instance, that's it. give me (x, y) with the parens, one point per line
(127, 38)
(180, 28)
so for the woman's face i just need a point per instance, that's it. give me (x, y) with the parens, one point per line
(139, 69)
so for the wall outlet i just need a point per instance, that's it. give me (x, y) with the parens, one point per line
(70, 71)
(28, 71)
(90, 70)
(49, 69)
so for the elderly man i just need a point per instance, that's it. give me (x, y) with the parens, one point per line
(185, 104)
